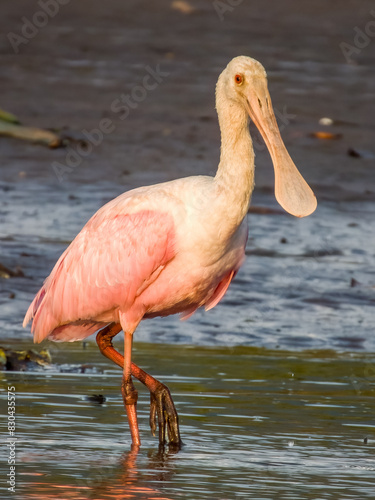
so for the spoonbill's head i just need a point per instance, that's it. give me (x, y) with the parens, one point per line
(244, 83)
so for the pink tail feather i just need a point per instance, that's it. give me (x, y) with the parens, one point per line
(33, 308)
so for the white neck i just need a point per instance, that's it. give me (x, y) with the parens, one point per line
(235, 175)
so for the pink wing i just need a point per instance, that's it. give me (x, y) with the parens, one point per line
(107, 265)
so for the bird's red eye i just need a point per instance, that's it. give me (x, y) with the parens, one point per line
(238, 79)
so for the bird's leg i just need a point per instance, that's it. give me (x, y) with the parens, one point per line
(129, 394)
(104, 341)
(162, 405)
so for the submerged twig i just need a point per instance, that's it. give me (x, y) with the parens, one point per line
(5, 116)
(31, 134)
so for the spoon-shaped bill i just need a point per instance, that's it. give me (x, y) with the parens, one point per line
(291, 190)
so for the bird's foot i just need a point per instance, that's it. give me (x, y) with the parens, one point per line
(163, 409)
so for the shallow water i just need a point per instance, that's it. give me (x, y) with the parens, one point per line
(256, 423)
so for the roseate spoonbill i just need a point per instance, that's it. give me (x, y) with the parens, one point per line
(168, 248)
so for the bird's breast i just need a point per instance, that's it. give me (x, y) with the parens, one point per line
(191, 279)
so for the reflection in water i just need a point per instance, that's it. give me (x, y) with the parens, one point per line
(125, 478)
(131, 481)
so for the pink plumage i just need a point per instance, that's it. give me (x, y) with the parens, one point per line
(101, 273)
